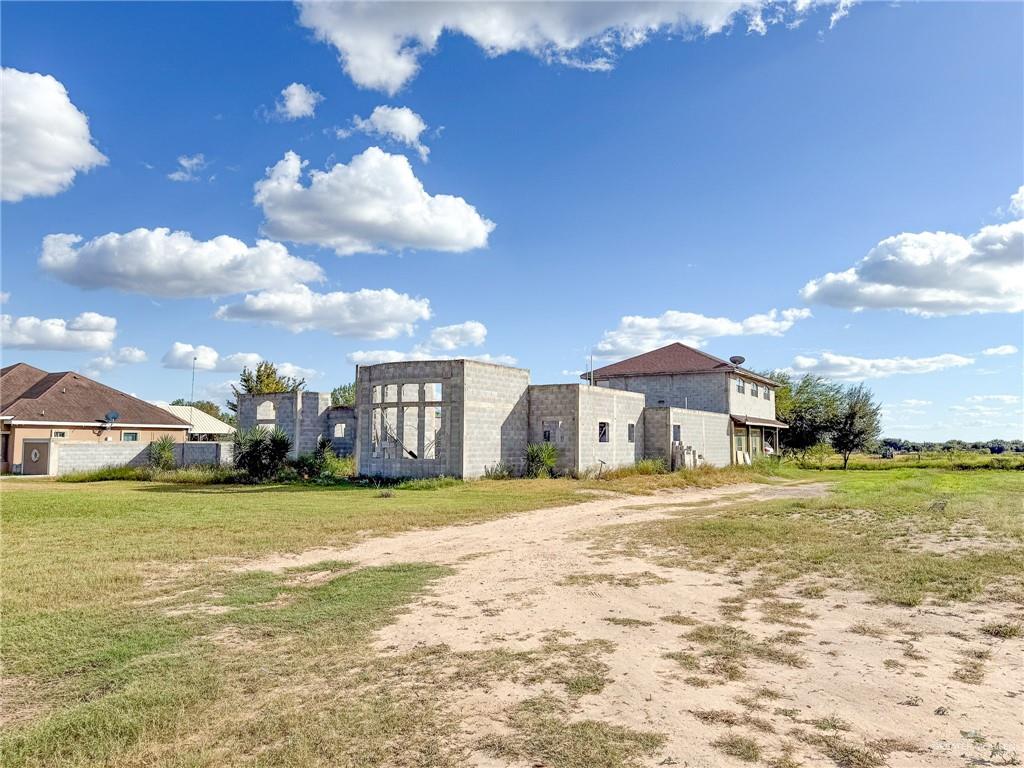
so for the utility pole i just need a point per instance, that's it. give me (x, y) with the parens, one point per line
(192, 394)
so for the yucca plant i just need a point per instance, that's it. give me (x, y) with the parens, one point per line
(261, 453)
(541, 459)
(161, 453)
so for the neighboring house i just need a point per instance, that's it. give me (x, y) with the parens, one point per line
(462, 417)
(685, 380)
(201, 425)
(40, 410)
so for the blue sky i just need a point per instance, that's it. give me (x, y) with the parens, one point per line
(597, 180)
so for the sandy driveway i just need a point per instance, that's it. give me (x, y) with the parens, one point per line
(509, 590)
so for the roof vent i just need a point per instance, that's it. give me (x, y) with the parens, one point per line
(737, 359)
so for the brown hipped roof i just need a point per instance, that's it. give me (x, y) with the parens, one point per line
(675, 358)
(29, 394)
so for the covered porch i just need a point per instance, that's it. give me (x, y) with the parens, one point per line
(754, 437)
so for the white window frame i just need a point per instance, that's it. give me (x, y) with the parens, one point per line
(60, 434)
(125, 438)
(767, 393)
(603, 432)
(631, 433)
(753, 389)
(741, 387)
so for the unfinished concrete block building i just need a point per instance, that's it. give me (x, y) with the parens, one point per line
(460, 417)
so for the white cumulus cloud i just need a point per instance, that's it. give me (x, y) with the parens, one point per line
(114, 359)
(158, 262)
(835, 366)
(637, 333)
(468, 334)
(44, 138)
(440, 345)
(122, 356)
(188, 168)
(380, 44)
(933, 274)
(370, 314)
(180, 355)
(1007, 399)
(89, 330)
(374, 356)
(398, 124)
(372, 204)
(297, 101)
(1002, 349)
(1017, 202)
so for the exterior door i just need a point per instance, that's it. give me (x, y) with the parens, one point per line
(755, 443)
(35, 457)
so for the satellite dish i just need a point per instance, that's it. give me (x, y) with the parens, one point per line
(112, 416)
(737, 359)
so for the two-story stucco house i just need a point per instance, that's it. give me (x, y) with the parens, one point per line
(725, 412)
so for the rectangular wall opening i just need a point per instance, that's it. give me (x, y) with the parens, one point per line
(432, 392)
(434, 434)
(410, 437)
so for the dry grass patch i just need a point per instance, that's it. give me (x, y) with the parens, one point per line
(1004, 630)
(630, 580)
(728, 650)
(542, 733)
(621, 621)
(851, 537)
(972, 665)
(732, 719)
(741, 747)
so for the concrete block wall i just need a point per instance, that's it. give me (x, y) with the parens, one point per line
(300, 415)
(746, 404)
(658, 434)
(341, 429)
(84, 457)
(707, 433)
(557, 406)
(697, 391)
(276, 410)
(312, 420)
(619, 409)
(496, 417)
(393, 379)
(69, 456)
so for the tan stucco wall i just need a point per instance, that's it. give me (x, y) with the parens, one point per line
(84, 435)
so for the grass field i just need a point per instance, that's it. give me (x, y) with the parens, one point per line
(131, 637)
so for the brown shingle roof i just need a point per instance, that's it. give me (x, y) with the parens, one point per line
(15, 379)
(29, 394)
(674, 358)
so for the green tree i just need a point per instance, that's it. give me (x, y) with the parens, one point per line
(344, 395)
(809, 405)
(264, 380)
(859, 422)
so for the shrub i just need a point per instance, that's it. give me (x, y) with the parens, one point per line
(340, 467)
(161, 453)
(260, 453)
(816, 457)
(428, 483)
(541, 459)
(107, 473)
(500, 471)
(197, 474)
(313, 466)
(642, 467)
